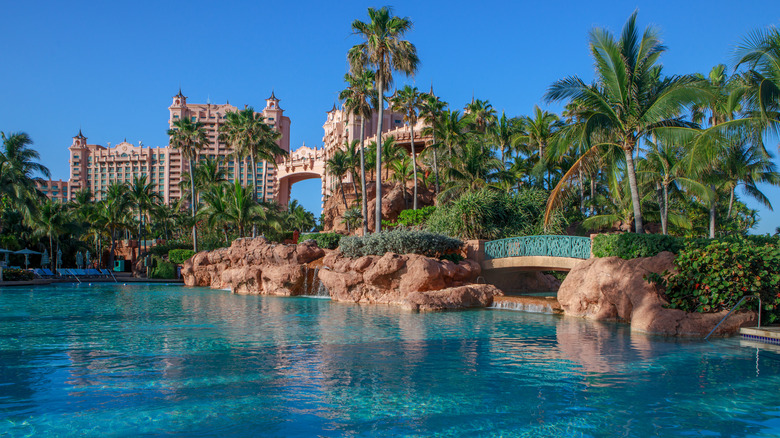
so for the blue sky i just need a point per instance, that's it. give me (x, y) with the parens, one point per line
(111, 68)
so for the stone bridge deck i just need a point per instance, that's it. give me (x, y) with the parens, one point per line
(542, 253)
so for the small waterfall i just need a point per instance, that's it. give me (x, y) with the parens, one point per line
(520, 305)
(312, 286)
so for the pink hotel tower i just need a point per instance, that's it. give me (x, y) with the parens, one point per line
(94, 167)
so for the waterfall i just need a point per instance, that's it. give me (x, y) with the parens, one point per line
(312, 286)
(519, 306)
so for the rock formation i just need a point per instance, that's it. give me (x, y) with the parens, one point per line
(611, 288)
(411, 281)
(415, 282)
(393, 202)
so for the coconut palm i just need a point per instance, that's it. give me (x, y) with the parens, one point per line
(746, 165)
(383, 52)
(358, 98)
(19, 170)
(471, 169)
(143, 196)
(189, 138)
(480, 114)
(408, 101)
(402, 171)
(111, 215)
(338, 166)
(298, 218)
(430, 112)
(216, 202)
(630, 98)
(52, 220)
(536, 133)
(760, 53)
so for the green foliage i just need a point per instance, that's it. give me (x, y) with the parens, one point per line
(489, 214)
(162, 269)
(180, 256)
(12, 274)
(324, 240)
(164, 248)
(714, 277)
(400, 241)
(633, 245)
(415, 218)
(453, 257)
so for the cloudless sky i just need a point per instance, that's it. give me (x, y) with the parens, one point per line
(110, 68)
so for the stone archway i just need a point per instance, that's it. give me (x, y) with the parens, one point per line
(302, 164)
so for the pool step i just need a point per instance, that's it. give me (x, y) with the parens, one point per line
(767, 335)
(526, 303)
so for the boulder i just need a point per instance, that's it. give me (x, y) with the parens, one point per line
(613, 289)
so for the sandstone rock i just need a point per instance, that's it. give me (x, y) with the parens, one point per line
(475, 295)
(611, 288)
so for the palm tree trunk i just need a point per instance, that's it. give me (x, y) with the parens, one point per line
(227, 239)
(731, 202)
(111, 255)
(665, 212)
(592, 195)
(53, 256)
(380, 86)
(254, 188)
(344, 197)
(435, 160)
(635, 199)
(712, 214)
(414, 168)
(364, 201)
(193, 203)
(582, 190)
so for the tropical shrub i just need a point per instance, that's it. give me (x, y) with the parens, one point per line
(12, 274)
(412, 218)
(401, 241)
(324, 240)
(162, 269)
(716, 276)
(180, 256)
(164, 248)
(490, 214)
(633, 245)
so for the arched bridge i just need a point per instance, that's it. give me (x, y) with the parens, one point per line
(544, 253)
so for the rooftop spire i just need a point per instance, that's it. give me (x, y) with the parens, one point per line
(431, 93)
(273, 97)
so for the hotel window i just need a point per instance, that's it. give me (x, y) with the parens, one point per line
(193, 119)
(175, 116)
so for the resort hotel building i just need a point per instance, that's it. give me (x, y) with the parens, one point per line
(95, 167)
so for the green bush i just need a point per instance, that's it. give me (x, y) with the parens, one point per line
(12, 274)
(180, 256)
(415, 218)
(714, 277)
(324, 240)
(162, 269)
(490, 214)
(632, 245)
(401, 241)
(163, 249)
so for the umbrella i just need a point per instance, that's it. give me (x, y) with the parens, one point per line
(6, 252)
(26, 253)
(79, 259)
(59, 258)
(86, 258)
(45, 258)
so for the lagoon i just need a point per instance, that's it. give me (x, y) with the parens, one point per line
(114, 360)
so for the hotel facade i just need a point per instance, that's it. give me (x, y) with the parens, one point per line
(94, 167)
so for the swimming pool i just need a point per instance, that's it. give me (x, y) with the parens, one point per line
(112, 360)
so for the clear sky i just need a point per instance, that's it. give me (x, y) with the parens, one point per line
(110, 68)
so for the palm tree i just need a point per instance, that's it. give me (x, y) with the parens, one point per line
(430, 112)
(537, 132)
(298, 218)
(112, 214)
(503, 134)
(19, 170)
(402, 171)
(481, 114)
(51, 221)
(189, 138)
(357, 101)
(143, 195)
(630, 98)
(383, 51)
(338, 166)
(746, 165)
(760, 52)
(217, 200)
(470, 170)
(352, 157)
(409, 101)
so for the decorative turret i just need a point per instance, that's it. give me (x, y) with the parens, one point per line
(272, 102)
(179, 100)
(79, 140)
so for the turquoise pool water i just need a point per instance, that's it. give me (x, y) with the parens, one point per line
(148, 360)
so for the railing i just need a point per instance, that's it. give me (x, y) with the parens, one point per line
(550, 246)
(739, 303)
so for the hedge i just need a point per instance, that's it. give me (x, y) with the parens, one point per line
(162, 269)
(716, 276)
(164, 248)
(400, 241)
(180, 256)
(12, 274)
(633, 245)
(324, 240)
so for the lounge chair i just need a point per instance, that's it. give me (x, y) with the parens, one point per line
(48, 272)
(39, 273)
(94, 273)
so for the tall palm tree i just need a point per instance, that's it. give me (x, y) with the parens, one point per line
(357, 98)
(408, 100)
(52, 220)
(216, 200)
(760, 53)
(630, 98)
(189, 138)
(430, 112)
(481, 114)
(383, 52)
(503, 134)
(143, 196)
(402, 171)
(19, 170)
(298, 218)
(112, 215)
(470, 170)
(338, 166)
(746, 165)
(537, 132)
